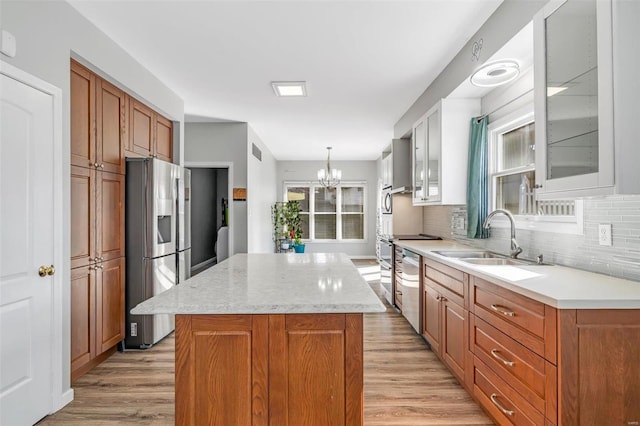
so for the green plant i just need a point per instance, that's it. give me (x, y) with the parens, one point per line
(285, 217)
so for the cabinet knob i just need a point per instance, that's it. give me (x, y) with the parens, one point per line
(102, 166)
(537, 186)
(96, 165)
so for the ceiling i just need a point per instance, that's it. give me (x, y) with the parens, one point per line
(365, 62)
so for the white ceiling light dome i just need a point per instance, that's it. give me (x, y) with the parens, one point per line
(496, 73)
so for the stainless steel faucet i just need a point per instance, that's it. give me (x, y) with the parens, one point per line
(515, 248)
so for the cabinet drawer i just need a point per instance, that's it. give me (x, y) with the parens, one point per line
(444, 275)
(531, 323)
(528, 373)
(501, 401)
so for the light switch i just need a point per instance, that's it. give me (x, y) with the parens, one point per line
(8, 44)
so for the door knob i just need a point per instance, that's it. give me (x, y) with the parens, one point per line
(43, 271)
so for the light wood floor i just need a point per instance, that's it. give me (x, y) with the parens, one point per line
(404, 382)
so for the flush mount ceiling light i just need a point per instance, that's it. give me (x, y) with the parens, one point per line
(289, 88)
(495, 73)
(329, 177)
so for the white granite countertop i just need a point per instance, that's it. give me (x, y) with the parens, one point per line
(270, 284)
(557, 286)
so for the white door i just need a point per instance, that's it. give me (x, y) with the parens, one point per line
(26, 230)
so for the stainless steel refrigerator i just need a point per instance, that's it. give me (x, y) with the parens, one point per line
(184, 224)
(151, 247)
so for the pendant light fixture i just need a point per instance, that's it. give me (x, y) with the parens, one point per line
(329, 177)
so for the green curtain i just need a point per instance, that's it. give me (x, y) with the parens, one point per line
(477, 179)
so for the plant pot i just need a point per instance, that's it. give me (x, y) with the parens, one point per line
(299, 248)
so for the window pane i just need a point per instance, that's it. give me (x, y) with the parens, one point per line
(353, 199)
(304, 225)
(325, 200)
(353, 226)
(515, 193)
(325, 226)
(518, 147)
(301, 195)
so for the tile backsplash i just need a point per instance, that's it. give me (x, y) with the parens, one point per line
(622, 259)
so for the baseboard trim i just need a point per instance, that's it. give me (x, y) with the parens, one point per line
(61, 400)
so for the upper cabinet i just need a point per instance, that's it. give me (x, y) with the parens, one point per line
(573, 69)
(439, 152)
(151, 134)
(98, 130)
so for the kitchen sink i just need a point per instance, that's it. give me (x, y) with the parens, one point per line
(499, 261)
(470, 254)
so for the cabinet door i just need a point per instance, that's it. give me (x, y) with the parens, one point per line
(140, 128)
(315, 364)
(574, 99)
(109, 304)
(83, 116)
(454, 337)
(418, 158)
(431, 317)
(110, 193)
(221, 370)
(110, 127)
(164, 138)
(432, 164)
(83, 216)
(83, 343)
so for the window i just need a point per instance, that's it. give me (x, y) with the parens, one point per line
(512, 170)
(330, 213)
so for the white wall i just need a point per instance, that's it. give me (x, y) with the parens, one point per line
(48, 34)
(351, 170)
(223, 142)
(261, 194)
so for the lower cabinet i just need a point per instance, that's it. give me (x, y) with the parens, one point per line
(444, 317)
(287, 369)
(97, 313)
(527, 363)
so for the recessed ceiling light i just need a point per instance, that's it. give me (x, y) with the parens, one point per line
(555, 90)
(289, 88)
(495, 73)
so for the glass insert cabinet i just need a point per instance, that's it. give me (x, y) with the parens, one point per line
(574, 94)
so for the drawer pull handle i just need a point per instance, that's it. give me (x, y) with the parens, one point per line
(502, 310)
(494, 352)
(494, 399)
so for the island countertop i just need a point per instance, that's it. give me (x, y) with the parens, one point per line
(270, 284)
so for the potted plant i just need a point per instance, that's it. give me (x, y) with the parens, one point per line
(293, 224)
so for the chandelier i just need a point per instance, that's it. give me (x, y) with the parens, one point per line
(329, 177)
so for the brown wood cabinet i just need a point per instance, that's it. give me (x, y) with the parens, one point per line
(97, 313)
(151, 134)
(599, 366)
(528, 363)
(98, 117)
(98, 136)
(287, 369)
(444, 315)
(513, 340)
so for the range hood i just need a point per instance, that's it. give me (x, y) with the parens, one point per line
(400, 166)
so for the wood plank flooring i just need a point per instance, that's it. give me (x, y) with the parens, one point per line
(404, 382)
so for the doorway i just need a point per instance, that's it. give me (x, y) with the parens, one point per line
(209, 216)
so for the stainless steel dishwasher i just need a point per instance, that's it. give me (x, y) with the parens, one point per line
(410, 284)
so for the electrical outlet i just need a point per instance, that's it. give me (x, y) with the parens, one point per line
(604, 234)
(134, 329)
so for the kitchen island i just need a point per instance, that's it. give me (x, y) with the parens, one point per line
(269, 339)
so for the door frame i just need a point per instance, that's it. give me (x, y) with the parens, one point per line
(61, 393)
(220, 165)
